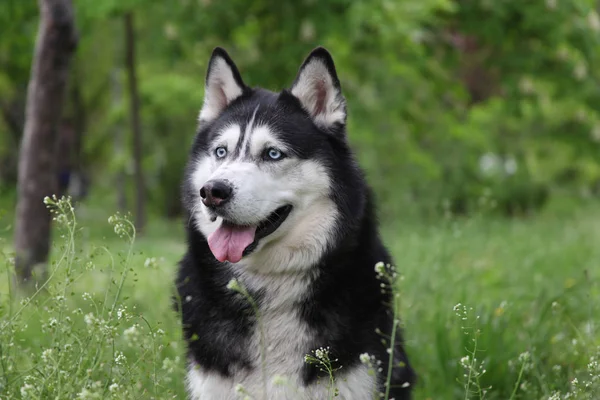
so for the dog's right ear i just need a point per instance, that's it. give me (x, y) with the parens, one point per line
(318, 89)
(223, 85)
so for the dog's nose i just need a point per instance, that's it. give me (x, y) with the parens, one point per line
(215, 193)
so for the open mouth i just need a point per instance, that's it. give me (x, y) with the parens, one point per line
(231, 242)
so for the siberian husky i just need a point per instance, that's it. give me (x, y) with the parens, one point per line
(282, 247)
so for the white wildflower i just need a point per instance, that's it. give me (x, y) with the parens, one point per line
(575, 382)
(322, 353)
(524, 357)
(365, 358)
(47, 355)
(234, 285)
(89, 319)
(28, 391)
(151, 262)
(120, 359)
(87, 394)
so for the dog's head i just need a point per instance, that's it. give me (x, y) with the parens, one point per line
(259, 183)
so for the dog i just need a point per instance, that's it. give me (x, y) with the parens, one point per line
(282, 248)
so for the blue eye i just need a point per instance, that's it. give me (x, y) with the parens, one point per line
(274, 154)
(221, 152)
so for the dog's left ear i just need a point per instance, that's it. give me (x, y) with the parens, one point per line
(318, 89)
(223, 85)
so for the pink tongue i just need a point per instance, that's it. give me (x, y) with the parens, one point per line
(228, 242)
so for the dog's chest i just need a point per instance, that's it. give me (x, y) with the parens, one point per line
(281, 338)
(276, 347)
(354, 383)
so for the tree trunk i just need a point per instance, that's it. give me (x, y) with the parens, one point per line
(140, 194)
(56, 41)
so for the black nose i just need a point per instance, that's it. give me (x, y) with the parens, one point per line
(216, 192)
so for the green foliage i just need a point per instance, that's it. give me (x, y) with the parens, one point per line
(18, 20)
(526, 326)
(454, 107)
(528, 294)
(84, 333)
(433, 87)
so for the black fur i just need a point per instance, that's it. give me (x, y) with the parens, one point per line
(345, 304)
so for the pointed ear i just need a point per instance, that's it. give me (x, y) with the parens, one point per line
(223, 85)
(318, 89)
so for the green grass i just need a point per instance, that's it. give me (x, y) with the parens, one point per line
(528, 315)
(532, 286)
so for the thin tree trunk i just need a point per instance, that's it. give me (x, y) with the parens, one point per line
(56, 41)
(140, 195)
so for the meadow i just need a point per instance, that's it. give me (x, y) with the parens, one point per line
(449, 102)
(492, 308)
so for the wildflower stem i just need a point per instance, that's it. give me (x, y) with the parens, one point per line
(331, 382)
(154, 358)
(392, 347)
(124, 275)
(112, 270)
(518, 382)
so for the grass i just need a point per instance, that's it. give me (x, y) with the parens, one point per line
(530, 288)
(491, 308)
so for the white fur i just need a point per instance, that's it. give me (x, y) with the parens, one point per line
(353, 384)
(204, 385)
(302, 239)
(280, 339)
(286, 339)
(314, 86)
(221, 89)
(228, 138)
(263, 138)
(279, 267)
(248, 134)
(262, 187)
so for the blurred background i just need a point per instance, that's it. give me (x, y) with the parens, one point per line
(478, 124)
(449, 100)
